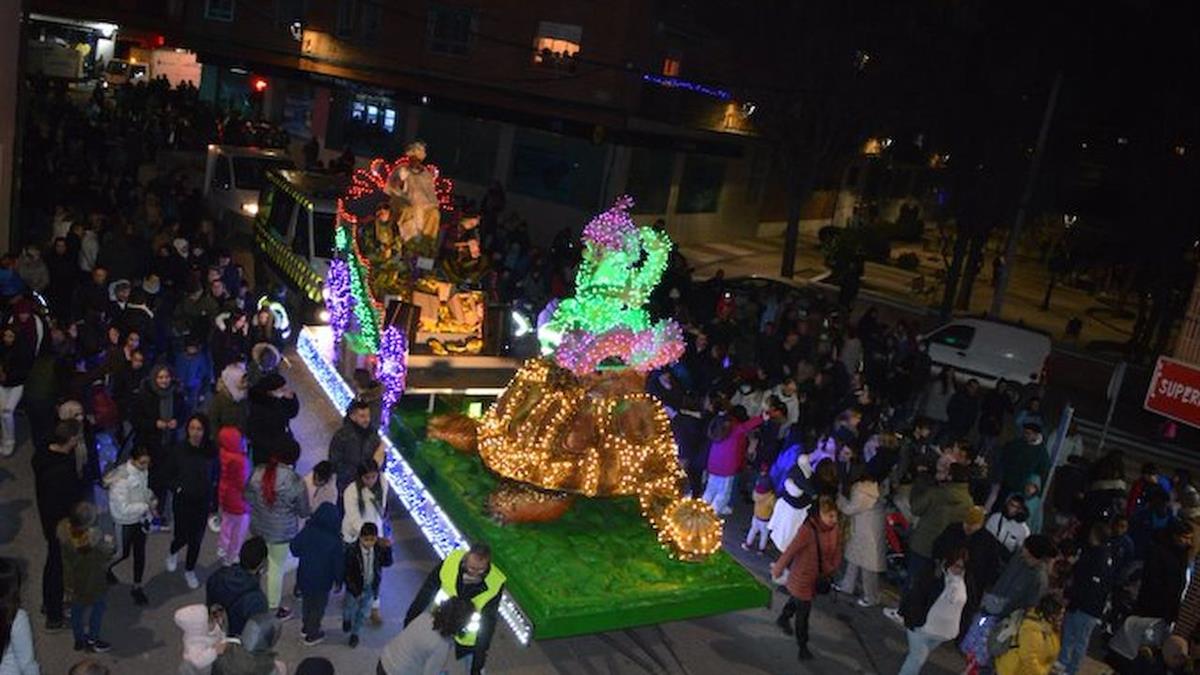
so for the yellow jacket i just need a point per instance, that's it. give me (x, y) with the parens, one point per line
(1036, 650)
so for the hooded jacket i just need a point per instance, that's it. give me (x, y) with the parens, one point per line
(85, 562)
(199, 639)
(320, 550)
(193, 477)
(936, 506)
(727, 456)
(349, 447)
(800, 558)
(228, 406)
(235, 470)
(238, 591)
(1092, 579)
(1010, 532)
(1020, 586)
(129, 495)
(268, 418)
(278, 522)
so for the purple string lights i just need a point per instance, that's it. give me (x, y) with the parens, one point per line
(676, 83)
(338, 298)
(392, 367)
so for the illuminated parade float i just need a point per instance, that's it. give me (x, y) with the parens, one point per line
(571, 473)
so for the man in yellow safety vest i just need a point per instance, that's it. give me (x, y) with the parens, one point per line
(469, 575)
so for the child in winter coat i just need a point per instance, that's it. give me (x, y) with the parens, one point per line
(727, 455)
(235, 514)
(764, 506)
(320, 550)
(1033, 503)
(194, 370)
(203, 637)
(85, 563)
(365, 560)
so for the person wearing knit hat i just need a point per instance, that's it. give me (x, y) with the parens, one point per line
(974, 517)
(985, 555)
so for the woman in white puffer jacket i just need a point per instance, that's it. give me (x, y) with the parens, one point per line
(132, 504)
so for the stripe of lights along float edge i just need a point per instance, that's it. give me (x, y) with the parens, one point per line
(429, 517)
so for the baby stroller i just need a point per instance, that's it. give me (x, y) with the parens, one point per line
(896, 531)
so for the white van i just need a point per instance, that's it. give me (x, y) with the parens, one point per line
(233, 178)
(990, 351)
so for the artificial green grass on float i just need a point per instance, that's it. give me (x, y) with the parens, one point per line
(598, 568)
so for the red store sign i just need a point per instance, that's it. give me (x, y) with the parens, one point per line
(1175, 391)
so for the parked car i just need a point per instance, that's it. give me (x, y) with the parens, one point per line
(990, 351)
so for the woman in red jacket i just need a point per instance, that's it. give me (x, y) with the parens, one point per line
(727, 455)
(235, 513)
(806, 572)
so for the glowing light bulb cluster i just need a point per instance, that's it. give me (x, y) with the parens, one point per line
(606, 320)
(391, 369)
(599, 436)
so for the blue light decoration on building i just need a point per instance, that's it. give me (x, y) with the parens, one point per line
(676, 83)
(425, 511)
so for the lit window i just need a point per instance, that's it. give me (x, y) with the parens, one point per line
(389, 120)
(358, 111)
(372, 114)
(670, 66)
(218, 10)
(557, 45)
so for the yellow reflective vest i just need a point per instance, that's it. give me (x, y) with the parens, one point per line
(448, 575)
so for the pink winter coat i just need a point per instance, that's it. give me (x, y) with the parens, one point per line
(234, 472)
(727, 457)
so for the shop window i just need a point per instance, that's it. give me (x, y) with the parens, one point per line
(219, 10)
(556, 45)
(450, 29)
(700, 186)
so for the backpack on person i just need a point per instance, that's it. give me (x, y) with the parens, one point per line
(1004, 636)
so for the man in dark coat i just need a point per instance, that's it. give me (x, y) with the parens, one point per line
(985, 557)
(236, 587)
(354, 443)
(1165, 574)
(272, 406)
(58, 487)
(91, 297)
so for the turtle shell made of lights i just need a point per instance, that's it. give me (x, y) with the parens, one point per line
(598, 435)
